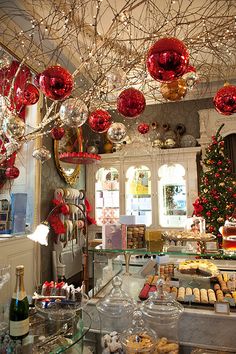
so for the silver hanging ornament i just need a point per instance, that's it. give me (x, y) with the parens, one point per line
(42, 154)
(73, 112)
(12, 125)
(117, 132)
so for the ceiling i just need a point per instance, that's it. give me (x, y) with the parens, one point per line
(95, 39)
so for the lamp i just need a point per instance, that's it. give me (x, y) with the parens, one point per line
(40, 234)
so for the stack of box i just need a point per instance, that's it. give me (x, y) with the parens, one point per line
(133, 236)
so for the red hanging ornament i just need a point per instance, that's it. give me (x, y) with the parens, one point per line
(7, 75)
(12, 172)
(100, 121)
(225, 100)
(167, 59)
(56, 82)
(28, 96)
(131, 103)
(143, 128)
(57, 133)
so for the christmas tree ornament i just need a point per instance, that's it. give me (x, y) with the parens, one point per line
(191, 77)
(143, 128)
(92, 149)
(12, 172)
(41, 154)
(28, 96)
(169, 143)
(158, 143)
(115, 79)
(56, 82)
(174, 90)
(99, 121)
(12, 125)
(107, 147)
(117, 132)
(131, 103)
(225, 100)
(57, 133)
(73, 112)
(167, 59)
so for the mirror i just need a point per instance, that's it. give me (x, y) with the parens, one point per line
(72, 141)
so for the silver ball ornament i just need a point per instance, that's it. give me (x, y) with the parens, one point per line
(12, 125)
(42, 154)
(73, 112)
(117, 132)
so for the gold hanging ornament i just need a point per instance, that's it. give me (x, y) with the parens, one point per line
(174, 90)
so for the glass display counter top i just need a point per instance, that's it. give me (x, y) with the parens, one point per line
(50, 336)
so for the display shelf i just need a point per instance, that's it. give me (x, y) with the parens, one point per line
(142, 251)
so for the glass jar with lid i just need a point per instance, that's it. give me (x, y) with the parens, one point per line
(162, 312)
(138, 339)
(115, 312)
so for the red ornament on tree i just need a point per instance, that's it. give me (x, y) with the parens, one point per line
(56, 82)
(57, 133)
(99, 121)
(225, 100)
(167, 59)
(12, 172)
(131, 103)
(143, 128)
(7, 74)
(28, 96)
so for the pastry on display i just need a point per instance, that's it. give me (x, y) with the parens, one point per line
(187, 235)
(137, 343)
(199, 267)
(165, 346)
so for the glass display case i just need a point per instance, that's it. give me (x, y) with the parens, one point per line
(107, 196)
(172, 195)
(138, 194)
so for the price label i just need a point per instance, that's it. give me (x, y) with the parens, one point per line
(230, 300)
(174, 283)
(189, 298)
(222, 308)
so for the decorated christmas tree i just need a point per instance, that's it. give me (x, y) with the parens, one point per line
(217, 196)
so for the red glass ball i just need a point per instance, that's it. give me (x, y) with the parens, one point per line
(225, 100)
(56, 82)
(12, 172)
(131, 103)
(100, 121)
(57, 133)
(28, 96)
(36, 80)
(143, 128)
(167, 59)
(7, 74)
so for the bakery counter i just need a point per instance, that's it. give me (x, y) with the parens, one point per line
(198, 327)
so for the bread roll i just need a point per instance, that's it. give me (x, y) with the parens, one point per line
(189, 291)
(196, 293)
(219, 295)
(181, 294)
(217, 287)
(204, 296)
(211, 296)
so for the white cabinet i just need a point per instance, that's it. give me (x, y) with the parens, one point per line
(20, 250)
(158, 186)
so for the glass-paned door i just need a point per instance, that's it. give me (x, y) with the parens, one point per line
(107, 202)
(138, 194)
(172, 196)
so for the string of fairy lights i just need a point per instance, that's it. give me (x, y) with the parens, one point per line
(103, 44)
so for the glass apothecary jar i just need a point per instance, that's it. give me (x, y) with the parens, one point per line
(139, 339)
(115, 310)
(162, 313)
